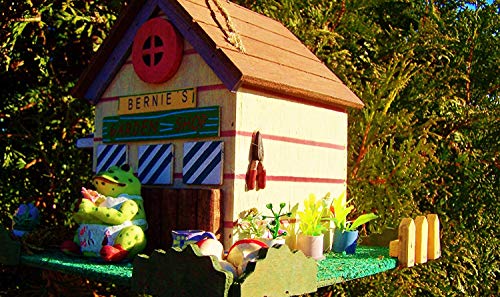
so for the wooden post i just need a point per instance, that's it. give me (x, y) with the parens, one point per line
(406, 239)
(434, 243)
(394, 248)
(421, 236)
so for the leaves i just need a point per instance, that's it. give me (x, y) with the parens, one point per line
(310, 218)
(428, 138)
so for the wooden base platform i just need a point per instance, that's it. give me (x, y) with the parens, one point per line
(335, 268)
(277, 272)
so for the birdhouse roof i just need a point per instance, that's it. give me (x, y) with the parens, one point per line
(270, 58)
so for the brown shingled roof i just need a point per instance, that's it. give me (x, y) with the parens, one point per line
(274, 59)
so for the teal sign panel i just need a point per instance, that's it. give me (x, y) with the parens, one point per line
(180, 123)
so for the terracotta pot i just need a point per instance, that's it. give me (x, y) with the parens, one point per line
(311, 246)
(345, 241)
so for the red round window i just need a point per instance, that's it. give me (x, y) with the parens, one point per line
(157, 51)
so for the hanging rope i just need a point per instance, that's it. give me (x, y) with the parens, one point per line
(232, 34)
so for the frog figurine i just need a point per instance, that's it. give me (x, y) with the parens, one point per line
(111, 219)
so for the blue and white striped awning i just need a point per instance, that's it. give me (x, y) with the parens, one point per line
(202, 162)
(156, 164)
(109, 155)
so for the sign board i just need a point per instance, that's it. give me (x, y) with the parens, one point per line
(167, 100)
(181, 123)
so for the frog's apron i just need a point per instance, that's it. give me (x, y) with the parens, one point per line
(93, 237)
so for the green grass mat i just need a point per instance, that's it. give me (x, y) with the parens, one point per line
(333, 269)
(367, 260)
(120, 273)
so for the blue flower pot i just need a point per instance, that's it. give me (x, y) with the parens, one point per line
(345, 241)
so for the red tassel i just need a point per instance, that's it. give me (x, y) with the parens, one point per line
(251, 175)
(261, 176)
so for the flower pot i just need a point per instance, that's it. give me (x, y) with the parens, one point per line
(311, 246)
(345, 241)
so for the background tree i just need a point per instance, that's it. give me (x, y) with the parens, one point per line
(427, 140)
(44, 47)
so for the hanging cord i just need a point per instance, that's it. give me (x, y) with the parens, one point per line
(232, 36)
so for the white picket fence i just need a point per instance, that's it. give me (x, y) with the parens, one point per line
(418, 241)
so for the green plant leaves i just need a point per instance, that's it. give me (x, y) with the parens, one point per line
(310, 218)
(362, 219)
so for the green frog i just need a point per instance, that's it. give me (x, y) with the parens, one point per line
(111, 219)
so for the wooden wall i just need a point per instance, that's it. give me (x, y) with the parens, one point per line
(305, 151)
(180, 209)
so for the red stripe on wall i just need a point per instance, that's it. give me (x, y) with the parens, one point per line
(232, 133)
(303, 179)
(107, 99)
(211, 88)
(187, 52)
(199, 89)
(97, 138)
(190, 51)
(280, 178)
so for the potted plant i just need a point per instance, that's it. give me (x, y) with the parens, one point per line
(346, 233)
(311, 227)
(251, 224)
(267, 229)
(276, 234)
(25, 219)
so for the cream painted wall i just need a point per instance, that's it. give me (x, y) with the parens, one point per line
(300, 141)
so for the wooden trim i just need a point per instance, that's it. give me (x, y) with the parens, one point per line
(300, 96)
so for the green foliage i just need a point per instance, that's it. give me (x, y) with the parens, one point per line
(251, 224)
(44, 47)
(340, 211)
(427, 140)
(311, 217)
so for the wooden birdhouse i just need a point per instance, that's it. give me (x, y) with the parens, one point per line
(181, 88)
